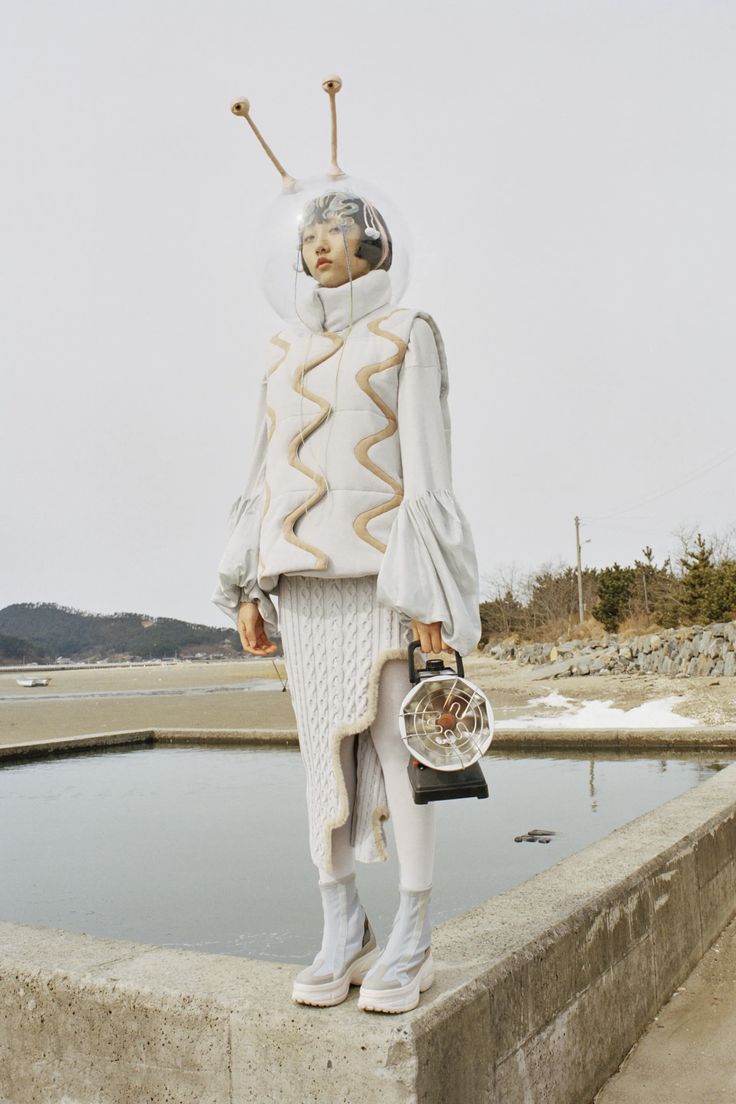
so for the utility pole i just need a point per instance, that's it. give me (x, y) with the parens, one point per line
(580, 570)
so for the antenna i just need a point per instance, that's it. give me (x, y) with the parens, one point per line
(242, 108)
(332, 86)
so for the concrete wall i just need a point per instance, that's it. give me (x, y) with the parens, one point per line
(693, 650)
(540, 992)
(588, 951)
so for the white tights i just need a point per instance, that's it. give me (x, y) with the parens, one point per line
(414, 825)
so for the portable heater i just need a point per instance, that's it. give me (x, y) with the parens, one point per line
(446, 723)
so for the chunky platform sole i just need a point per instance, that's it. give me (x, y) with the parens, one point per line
(326, 993)
(398, 1000)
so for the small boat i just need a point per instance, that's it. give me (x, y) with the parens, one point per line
(33, 681)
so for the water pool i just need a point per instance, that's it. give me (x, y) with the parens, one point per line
(205, 847)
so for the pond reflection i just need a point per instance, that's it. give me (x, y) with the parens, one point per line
(205, 847)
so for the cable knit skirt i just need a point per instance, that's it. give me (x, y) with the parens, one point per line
(336, 637)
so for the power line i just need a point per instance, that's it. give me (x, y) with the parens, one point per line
(696, 473)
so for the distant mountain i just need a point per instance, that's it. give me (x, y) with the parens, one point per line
(39, 631)
(15, 650)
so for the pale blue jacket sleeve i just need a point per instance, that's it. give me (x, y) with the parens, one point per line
(429, 570)
(238, 569)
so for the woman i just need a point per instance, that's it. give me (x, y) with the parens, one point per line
(350, 518)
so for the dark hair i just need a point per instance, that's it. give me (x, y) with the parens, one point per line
(351, 209)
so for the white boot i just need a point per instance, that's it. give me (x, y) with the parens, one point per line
(405, 968)
(349, 947)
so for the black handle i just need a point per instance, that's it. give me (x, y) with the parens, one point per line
(413, 675)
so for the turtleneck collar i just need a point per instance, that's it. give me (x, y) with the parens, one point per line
(328, 309)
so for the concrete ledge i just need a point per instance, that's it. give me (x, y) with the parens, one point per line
(540, 991)
(45, 746)
(696, 738)
(251, 736)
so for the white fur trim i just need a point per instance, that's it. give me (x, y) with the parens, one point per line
(381, 813)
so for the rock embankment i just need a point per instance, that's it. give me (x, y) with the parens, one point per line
(696, 650)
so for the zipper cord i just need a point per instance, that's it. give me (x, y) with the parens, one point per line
(336, 385)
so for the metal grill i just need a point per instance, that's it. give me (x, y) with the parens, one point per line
(446, 722)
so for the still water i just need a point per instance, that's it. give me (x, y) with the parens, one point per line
(206, 848)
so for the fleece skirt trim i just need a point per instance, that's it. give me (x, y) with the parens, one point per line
(336, 638)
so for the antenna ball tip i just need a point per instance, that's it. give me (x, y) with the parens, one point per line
(240, 107)
(332, 83)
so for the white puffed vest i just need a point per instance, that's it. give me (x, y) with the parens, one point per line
(351, 469)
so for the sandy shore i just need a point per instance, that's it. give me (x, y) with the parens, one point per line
(214, 695)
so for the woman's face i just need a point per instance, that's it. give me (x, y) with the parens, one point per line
(326, 256)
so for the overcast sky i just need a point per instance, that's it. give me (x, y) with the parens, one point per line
(568, 170)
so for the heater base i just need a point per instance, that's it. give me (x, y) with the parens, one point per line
(434, 785)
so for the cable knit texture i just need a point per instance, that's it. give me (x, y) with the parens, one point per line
(336, 638)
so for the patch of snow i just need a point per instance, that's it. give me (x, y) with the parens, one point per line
(601, 714)
(552, 699)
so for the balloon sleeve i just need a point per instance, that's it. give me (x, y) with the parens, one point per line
(238, 569)
(429, 570)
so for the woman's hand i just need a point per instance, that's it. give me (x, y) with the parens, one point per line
(252, 631)
(429, 636)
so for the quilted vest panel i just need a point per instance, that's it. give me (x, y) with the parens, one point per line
(333, 479)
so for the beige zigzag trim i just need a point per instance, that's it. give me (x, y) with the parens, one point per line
(299, 438)
(352, 729)
(360, 524)
(271, 415)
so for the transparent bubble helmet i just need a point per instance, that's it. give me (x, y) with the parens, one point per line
(446, 722)
(281, 274)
